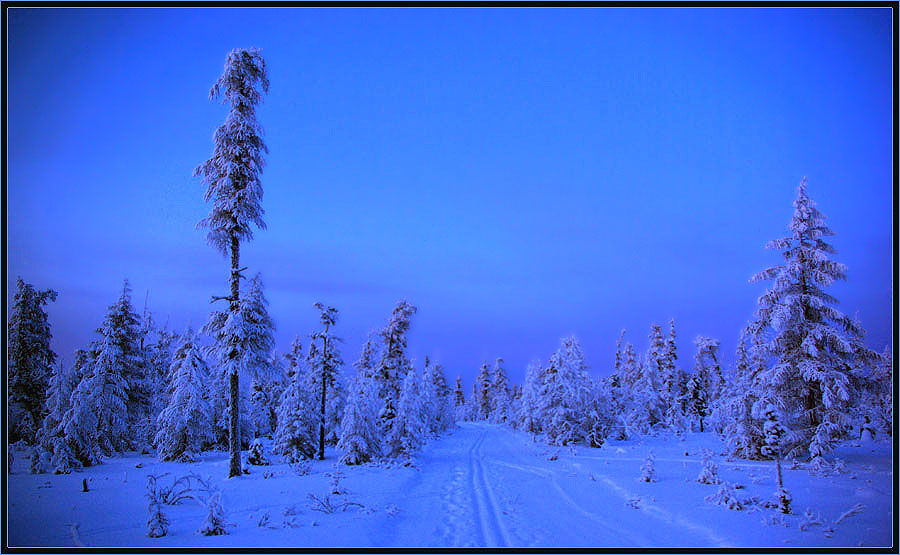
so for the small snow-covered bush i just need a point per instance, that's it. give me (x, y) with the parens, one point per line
(820, 467)
(810, 519)
(726, 496)
(157, 522)
(215, 523)
(648, 469)
(784, 500)
(709, 474)
(257, 456)
(301, 468)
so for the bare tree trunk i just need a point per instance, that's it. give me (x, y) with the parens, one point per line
(778, 470)
(234, 423)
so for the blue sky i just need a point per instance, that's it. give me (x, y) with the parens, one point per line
(517, 174)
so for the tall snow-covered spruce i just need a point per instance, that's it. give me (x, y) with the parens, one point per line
(813, 347)
(29, 360)
(232, 176)
(390, 372)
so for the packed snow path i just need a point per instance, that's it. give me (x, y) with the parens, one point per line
(481, 485)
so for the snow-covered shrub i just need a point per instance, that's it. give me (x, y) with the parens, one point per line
(648, 469)
(157, 522)
(709, 474)
(726, 496)
(301, 467)
(820, 467)
(784, 500)
(810, 519)
(215, 523)
(257, 456)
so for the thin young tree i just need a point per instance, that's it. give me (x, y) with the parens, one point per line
(324, 364)
(232, 176)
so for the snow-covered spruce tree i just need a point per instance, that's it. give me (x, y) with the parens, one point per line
(409, 427)
(630, 373)
(646, 404)
(186, 422)
(599, 419)
(158, 348)
(648, 469)
(500, 394)
(51, 438)
(610, 388)
(459, 400)
(324, 363)
(430, 399)
(250, 330)
(104, 389)
(813, 345)
(706, 385)
(564, 395)
(882, 400)
(436, 399)
(72, 439)
(483, 392)
(29, 361)
(266, 389)
(734, 409)
(709, 474)
(390, 372)
(445, 413)
(121, 351)
(698, 400)
(360, 436)
(617, 368)
(295, 436)
(232, 176)
(706, 365)
(360, 439)
(529, 417)
(774, 435)
(669, 379)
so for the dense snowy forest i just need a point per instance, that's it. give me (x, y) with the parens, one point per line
(803, 379)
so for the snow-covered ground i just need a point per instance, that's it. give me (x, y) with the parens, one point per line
(480, 485)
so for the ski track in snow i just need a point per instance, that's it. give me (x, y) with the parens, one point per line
(489, 514)
(611, 527)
